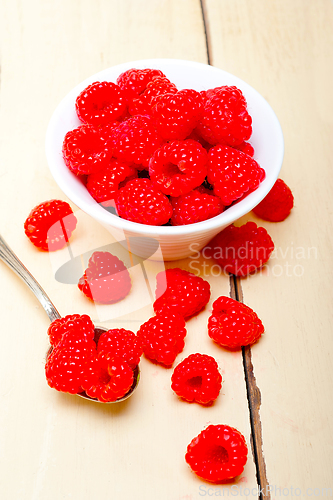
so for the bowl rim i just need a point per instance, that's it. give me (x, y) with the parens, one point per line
(95, 210)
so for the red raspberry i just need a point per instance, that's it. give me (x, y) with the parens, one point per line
(101, 103)
(135, 140)
(139, 201)
(85, 150)
(196, 206)
(50, 225)
(233, 324)
(106, 280)
(75, 324)
(176, 115)
(104, 185)
(121, 343)
(109, 379)
(246, 148)
(241, 250)
(180, 292)
(68, 364)
(225, 119)
(178, 167)
(232, 173)
(218, 453)
(162, 337)
(142, 104)
(197, 378)
(277, 205)
(135, 81)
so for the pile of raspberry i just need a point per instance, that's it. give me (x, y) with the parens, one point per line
(157, 155)
(102, 366)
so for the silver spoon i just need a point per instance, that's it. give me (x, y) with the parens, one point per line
(8, 257)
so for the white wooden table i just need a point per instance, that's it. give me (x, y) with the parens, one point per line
(54, 446)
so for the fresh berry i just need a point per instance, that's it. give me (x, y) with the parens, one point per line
(232, 173)
(197, 378)
(246, 148)
(181, 292)
(225, 119)
(101, 103)
(233, 324)
(139, 201)
(85, 150)
(178, 167)
(162, 337)
(75, 324)
(50, 225)
(68, 364)
(104, 185)
(134, 81)
(176, 115)
(121, 343)
(142, 104)
(108, 379)
(106, 280)
(241, 250)
(218, 453)
(135, 140)
(196, 206)
(277, 205)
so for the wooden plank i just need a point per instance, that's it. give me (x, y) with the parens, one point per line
(284, 49)
(54, 445)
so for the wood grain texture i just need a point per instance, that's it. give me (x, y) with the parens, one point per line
(55, 446)
(284, 49)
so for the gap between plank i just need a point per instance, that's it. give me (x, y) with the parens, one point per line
(252, 390)
(254, 402)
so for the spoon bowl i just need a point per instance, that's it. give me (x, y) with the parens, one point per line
(12, 261)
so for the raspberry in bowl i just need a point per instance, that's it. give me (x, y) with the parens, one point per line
(185, 205)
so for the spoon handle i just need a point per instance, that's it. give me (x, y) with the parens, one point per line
(8, 257)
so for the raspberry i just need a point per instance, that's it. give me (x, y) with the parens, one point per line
(101, 103)
(104, 185)
(225, 119)
(178, 167)
(85, 150)
(142, 104)
(135, 140)
(121, 343)
(140, 202)
(134, 81)
(232, 173)
(180, 292)
(109, 379)
(196, 206)
(218, 453)
(241, 250)
(106, 280)
(162, 337)
(68, 364)
(176, 115)
(197, 378)
(50, 225)
(277, 205)
(82, 326)
(246, 148)
(233, 324)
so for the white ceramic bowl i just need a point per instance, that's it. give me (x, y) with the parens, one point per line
(180, 241)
